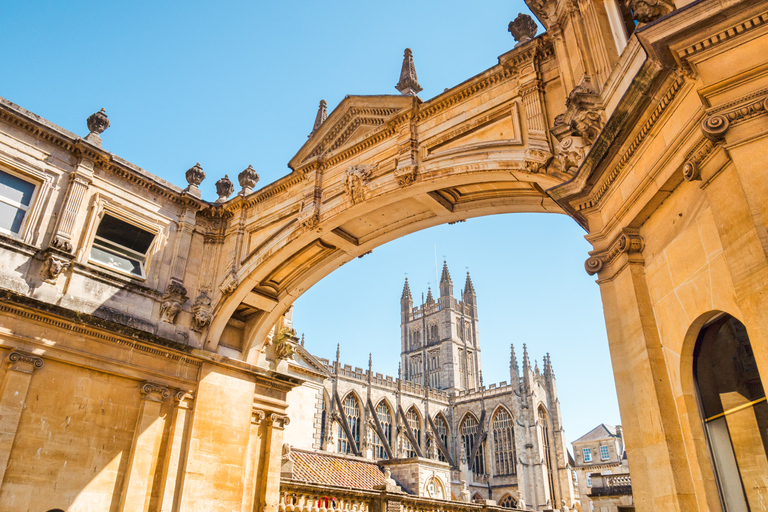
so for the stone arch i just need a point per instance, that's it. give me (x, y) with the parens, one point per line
(440, 421)
(304, 243)
(500, 407)
(477, 497)
(387, 424)
(468, 428)
(354, 415)
(507, 501)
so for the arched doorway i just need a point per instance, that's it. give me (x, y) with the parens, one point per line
(734, 411)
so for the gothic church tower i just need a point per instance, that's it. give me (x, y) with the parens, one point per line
(439, 338)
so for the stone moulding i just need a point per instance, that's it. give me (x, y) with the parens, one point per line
(628, 242)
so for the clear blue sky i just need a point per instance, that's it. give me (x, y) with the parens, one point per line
(230, 84)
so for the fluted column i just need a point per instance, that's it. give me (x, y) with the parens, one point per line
(144, 450)
(13, 398)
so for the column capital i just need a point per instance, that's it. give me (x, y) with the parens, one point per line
(628, 241)
(154, 392)
(279, 420)
(23, 361)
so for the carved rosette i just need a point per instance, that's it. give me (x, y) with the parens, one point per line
(201, 311)
(628, 242)
(152, 391)
(174, 299)
(523, 28)
(98, 122)
(247, 179)
(645, 11)
(23, 361)
(356, 180)
(224, 188)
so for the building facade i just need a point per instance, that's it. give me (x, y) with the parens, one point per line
(602, 469)
(506, 441)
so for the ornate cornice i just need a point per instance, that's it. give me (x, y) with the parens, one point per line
(629, 241)
(722, 36)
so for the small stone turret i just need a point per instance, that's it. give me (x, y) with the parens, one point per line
(406, 302)
(430, 298)
(446, 284)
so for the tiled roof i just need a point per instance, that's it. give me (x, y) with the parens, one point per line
(602, 431)
(325, 469)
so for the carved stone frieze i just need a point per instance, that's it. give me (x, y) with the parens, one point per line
(356, 180)
(153, 391)
(405, 175)
(175, 296)
(645, 11)
(628, 242)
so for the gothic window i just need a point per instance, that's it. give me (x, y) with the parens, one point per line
(121, 246)
(433, 333)
(460, 329)
(469, 429)
(385, 420)
(442, 433)
(734, 411)
(504, 443)
(15, 200)
(352, 413)
(507, 501)
(434, 369)
(547, 449)
(412, 417)
(416, 369)
(416, 337)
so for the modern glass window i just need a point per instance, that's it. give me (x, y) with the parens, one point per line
(15, 199)
(734, 411)
(121, 246)
(504, 443)
(604, 455)
(352, 414)
(385, 420)
(469, 428)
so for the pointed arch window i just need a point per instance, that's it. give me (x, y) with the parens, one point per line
(442, 433)
(504, 443)
(734, 412)
(469, 429)
(507, 501)
(352, 413)
(412, 417)
(385, 419)
(546, 447)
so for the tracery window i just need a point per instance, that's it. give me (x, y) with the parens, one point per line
(385, 420)
(434, 369)
(507, 501)
(469, 429)
(734, 411)
(416, 369)
(504, 443)
(352, 413)
(412, 417)
(433, 333)
(547, 449)
(442, 433)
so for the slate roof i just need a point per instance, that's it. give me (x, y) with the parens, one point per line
(323, 469)
(602, 431)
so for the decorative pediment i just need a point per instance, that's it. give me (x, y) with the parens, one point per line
(355, 119)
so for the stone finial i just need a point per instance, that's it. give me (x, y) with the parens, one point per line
(195, 177)
(469, 288)
(406, 296)
(224, 188)
(512, 358)
(98, 122)
(526, 361)
(322, 115)
(248, 179)
(430, 298)
(523, 29)
(408, 84)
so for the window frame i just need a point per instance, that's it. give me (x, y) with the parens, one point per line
(586, 454)
(29, 209)
(128, 218)
(604, 453)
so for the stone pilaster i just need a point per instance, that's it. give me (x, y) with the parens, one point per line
(252, 473)
(177, 448)
(145, 449)
(13, 399)
(270, 482)
(79, 181)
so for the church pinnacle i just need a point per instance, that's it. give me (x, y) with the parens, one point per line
(322, 115)
(430, 298)
(406, 291)
(408, 84)
(446, 284)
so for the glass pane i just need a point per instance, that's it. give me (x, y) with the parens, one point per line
(116, 260)
(125, 234)
(15, 189)
(10, 218)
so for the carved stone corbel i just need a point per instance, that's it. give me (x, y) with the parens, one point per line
(284, 343)
(201, 311)
(55, 262)
(582, 115)
(628, 242)
(175, 297)
(645, 11)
